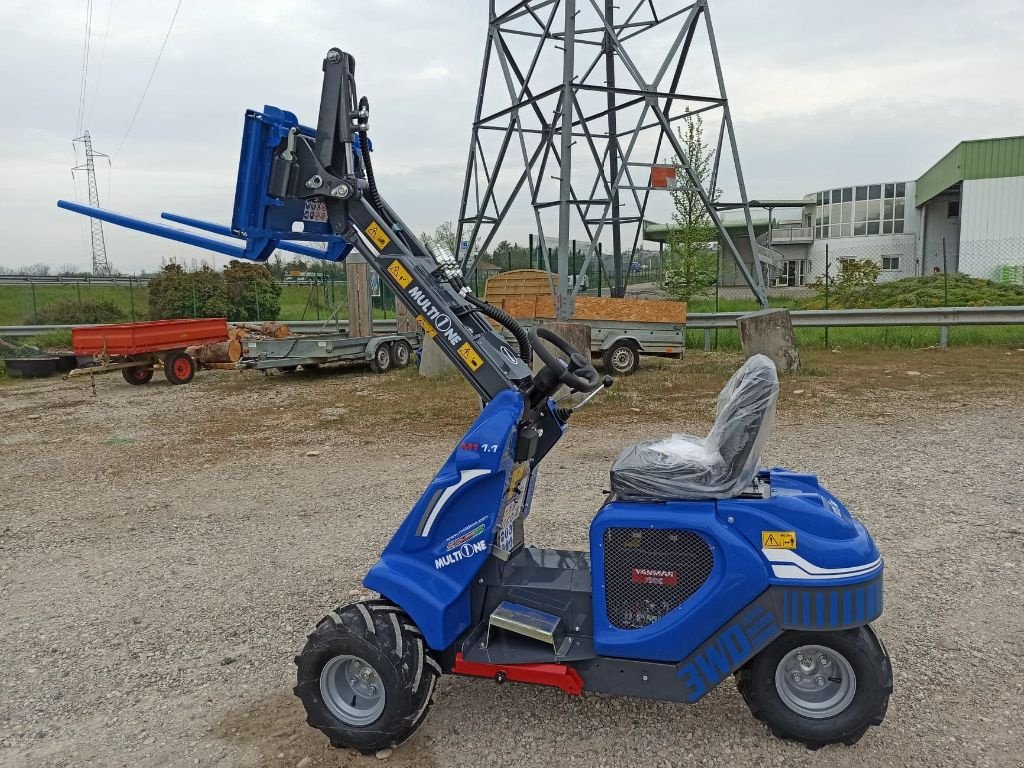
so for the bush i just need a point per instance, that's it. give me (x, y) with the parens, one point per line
(953, 290)
(175, 293)
(252, 293)
(70, 311)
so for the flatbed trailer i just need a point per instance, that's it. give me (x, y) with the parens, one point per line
(382, 353)
(620, 343)
(137, 349)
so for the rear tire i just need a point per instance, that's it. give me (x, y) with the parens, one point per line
(365, 676)
(838, 710)
(179, 367)
(137, 376)
(381, 360)
(400, 353)
(621, 359)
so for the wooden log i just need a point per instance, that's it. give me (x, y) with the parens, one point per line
(269, 329)
(220, 352)
(220, 366)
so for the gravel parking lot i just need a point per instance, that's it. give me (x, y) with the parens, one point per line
(163, 551)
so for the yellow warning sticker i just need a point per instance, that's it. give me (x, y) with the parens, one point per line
(778, 539)
(378, 236)
(473, 360)
(425, 324)
(400, 273)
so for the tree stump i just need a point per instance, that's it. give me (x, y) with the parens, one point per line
(770, 332)
(577, 334)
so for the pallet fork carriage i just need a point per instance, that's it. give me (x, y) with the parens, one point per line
(701, 564)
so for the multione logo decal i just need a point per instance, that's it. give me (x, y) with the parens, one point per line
(440, 321)
(464, 552)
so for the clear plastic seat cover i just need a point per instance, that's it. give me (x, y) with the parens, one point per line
(718, 466)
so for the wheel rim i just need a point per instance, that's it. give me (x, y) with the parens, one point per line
(401, 354)
(622, 359)
(139, 374)
(815, 681)
(182, 368)
(352, 690)
(383, 357)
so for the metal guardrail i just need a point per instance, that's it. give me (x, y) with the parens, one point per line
(707, 321)
(139, 280)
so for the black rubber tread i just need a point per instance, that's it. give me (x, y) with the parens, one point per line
(382, 634)
(137, 376)
(378, 367)
(861, 647)
(606, 358)
(169, 373)
(396, 356)
(288, 368)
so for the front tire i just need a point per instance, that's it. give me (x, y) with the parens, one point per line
(365, 676)
(621, 359)
(819, 688)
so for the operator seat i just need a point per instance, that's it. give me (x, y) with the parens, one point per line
(718, 466)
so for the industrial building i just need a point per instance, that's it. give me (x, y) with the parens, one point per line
(964, 214)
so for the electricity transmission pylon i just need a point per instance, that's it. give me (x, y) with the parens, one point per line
(100, 265)
(577, 106)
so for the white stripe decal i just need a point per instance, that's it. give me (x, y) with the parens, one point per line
(464, 477)
(787, 564)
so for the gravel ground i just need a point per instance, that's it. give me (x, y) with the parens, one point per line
(163, 551)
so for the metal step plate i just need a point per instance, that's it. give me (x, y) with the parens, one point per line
(528, 622)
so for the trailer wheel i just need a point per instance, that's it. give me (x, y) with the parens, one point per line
(381, 360)
(365, 676)
(622, 358)
(400, 353)
(819, 688)
(137, 376)
(179, 368)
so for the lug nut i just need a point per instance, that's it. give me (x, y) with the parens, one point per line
(820, 681)
(796, 677)
(823, 660)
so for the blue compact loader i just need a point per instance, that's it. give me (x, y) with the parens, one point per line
(701, 563)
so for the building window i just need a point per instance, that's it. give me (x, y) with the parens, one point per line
(953, 209)
(890, 263)
(874, 209)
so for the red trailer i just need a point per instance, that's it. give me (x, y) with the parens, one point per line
(136, 349)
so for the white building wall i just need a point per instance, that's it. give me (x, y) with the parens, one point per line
(872, 247)
(938, 225)
(991, 225)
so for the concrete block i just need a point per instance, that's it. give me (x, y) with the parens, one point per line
(770, 332)
(434, 362)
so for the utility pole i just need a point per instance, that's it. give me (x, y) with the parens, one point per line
(100, 265)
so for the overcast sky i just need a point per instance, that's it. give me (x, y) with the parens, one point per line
(823, 94)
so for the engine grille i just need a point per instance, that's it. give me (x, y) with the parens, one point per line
(648, 573)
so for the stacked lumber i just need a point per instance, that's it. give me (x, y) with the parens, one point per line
(224, 354)
(525, 293)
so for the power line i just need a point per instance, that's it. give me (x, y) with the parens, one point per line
(103, 56)
(148, 82)
(85, 67)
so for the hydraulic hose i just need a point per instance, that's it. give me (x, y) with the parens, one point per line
(506, 320)
(498, 315)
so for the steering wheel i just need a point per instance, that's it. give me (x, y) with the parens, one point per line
(579, 374)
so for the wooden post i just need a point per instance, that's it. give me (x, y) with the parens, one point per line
(357, 275)
(405, 321)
